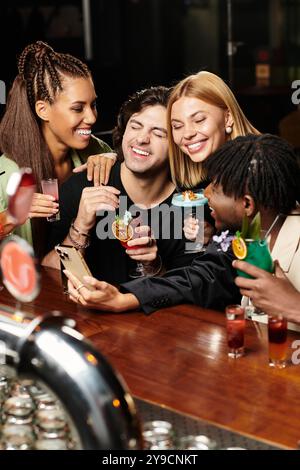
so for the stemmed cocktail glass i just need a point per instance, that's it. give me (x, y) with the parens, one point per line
(193, 204)
(124, 230)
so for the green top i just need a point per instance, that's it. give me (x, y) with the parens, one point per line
(78, 157)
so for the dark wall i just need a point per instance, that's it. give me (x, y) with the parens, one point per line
(137, 43)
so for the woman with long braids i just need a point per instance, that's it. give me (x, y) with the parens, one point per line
(47, 126)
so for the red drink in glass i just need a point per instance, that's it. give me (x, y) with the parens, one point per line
(235, 323)
(278, 347)
(124, 244)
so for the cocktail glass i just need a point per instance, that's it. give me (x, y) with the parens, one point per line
(50, 187)
(138, 270)
(259, 255)
(278, 346)
(125, 233)
(193, 208)
(235, 324)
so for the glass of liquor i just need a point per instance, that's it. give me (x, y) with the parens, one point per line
(50, 187)
(193, 206)
(278, 346)
(235, 324)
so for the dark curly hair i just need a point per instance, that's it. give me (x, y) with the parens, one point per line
(263, 166)
(158, 95)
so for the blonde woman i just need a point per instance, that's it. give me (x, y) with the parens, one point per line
(202, 115)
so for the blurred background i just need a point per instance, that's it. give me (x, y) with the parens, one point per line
(254, 45)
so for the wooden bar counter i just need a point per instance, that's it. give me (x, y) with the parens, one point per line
(177, 357)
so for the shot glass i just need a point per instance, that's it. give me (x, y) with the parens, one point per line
(278, 346)
(235, 323)
(50, 187)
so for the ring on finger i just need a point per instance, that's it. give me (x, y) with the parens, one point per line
(79, 287)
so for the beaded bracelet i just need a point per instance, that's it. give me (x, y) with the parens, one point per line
(79, 246)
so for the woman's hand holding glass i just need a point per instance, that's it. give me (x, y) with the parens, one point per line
(43, 205)
(192, 229)
(98, 167)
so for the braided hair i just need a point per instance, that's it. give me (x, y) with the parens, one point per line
(263, 166)
(152, 96)
(42, 69)
(41, 74)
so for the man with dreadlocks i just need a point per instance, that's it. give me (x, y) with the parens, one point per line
(47, 126)
(248, 174)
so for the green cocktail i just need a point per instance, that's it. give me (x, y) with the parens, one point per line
(259, 255)
(251, 245)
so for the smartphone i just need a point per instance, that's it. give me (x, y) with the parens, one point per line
(73, 261)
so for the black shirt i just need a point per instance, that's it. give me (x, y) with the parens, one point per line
(107, 258)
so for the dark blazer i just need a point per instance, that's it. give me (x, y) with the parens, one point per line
(207, 282)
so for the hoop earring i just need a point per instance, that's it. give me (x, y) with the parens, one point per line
(228, 129)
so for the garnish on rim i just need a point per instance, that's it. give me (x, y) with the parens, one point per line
(249, 232)
(122, 229)
(239, 248)
(189, 195)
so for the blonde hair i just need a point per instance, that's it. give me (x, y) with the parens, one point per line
(210, 88)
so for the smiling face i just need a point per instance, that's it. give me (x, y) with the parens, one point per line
(145, 143)
(198, 128)
(69, 120)
(227, 211)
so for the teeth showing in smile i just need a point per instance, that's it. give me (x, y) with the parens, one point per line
(84, 131)
(195, 146)
(140, 152)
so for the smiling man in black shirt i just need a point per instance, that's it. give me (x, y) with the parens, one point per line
(142, 178)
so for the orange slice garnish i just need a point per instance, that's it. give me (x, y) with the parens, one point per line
(239, 248)
(122, 232)
(189, 195)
